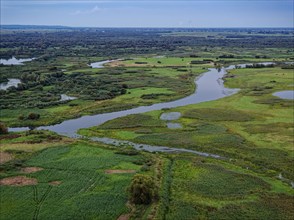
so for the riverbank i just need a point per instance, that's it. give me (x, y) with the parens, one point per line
(252, 127)
(209, 86)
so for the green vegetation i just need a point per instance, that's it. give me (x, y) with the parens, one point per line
(3, 128)
(47, 176)
(258, 135)
(96, 90)
(213, 190)
(142, 189)
(73, 182)
(252, 129)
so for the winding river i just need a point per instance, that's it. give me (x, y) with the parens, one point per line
(209, 86)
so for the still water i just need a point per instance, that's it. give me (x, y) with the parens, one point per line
(15, 61)
(10, 83)
(287, 94)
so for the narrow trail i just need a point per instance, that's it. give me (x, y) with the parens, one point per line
(40, 202)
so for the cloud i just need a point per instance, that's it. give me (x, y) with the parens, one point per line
(95, 9)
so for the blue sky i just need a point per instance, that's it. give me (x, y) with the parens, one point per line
(140, 13)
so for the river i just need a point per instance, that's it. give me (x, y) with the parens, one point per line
(209, 86)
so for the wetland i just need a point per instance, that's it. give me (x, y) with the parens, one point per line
(175, 108)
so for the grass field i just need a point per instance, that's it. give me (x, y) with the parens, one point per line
(204, 189)
(73, 180)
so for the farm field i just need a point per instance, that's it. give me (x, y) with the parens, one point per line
(65, 179)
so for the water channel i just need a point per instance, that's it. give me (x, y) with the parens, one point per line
(209, 87)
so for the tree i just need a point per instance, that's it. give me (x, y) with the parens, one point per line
(142, 189)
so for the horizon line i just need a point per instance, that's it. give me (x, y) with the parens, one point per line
(53, 25)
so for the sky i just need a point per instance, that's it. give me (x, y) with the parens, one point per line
(151, 13)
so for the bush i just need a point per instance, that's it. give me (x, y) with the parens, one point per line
(3, 128)
(33, 116)
(21, 117)
(142, 189)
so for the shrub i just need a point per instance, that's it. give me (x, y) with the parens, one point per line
(33, 116)
(3, 128)
(21, 117)
(142, 189)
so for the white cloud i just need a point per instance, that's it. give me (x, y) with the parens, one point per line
(95, 9)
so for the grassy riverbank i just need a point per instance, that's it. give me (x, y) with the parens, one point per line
(252, 129)
(250, 126)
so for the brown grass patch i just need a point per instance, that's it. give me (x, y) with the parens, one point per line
(122, 64)
(55, 183)
(119, 171)
(9, 136)
(124, 217)
(5, 157)
(31, 169)
(18, 181)
(36, 146)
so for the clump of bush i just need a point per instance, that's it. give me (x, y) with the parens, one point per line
(142, 190)
(127, 151)
(33, 116)
(3, 128)
(141, 62)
